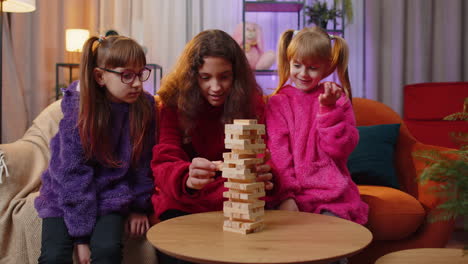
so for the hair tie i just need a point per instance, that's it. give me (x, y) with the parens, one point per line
(295, 33)
(332, 36)
(101, 38)
(97, 42)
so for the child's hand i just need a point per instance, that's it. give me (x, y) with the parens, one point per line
(331, 94)
(83, 253)
(201, 172)
(136, 224)
(288, 205)
(264, 172)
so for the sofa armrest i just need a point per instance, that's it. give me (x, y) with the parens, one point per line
(27, 157)
(25, 161)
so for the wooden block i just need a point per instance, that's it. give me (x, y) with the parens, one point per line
(238, 196)
(236, 156)
(243, 231)
(237, 141)
(244, 171)
(244, 186)
(238, 225)
(245, 216)
(245, 121)
(250, 166)
(260, 147)
(248, 151)
(219, 165)
(233, 163)
(238, 128)
(256, 204)
(243, 141)
(242, 177)
(230, 165)
(250, 137)
(234, 230)
(248, 214)
(242, 164)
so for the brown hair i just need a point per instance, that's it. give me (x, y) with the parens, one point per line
(180, 88)
(94, 119)
(313, 43)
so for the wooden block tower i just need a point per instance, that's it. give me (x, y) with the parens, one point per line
(243, 211)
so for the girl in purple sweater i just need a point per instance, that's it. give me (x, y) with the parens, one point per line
(311, 127)
(99, 179)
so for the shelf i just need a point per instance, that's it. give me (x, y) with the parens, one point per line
(155, 69)
(265, 72)
(273, 6)
(70, 67)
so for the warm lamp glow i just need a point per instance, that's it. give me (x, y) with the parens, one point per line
(19, 6)
(75, 38)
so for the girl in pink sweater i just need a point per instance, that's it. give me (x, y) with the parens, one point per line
(312, 129)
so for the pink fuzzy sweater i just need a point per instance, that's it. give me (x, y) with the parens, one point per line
(310, 145)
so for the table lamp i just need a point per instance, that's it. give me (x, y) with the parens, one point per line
(74, 39)
(14, 6)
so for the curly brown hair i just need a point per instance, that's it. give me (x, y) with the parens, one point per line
(180, 88)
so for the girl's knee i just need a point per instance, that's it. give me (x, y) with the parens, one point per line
(53, 256)
(107, 251)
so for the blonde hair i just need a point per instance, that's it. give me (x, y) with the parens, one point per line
(313, 43)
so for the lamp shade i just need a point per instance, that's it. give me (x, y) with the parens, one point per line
(19, 6)
(75, 38)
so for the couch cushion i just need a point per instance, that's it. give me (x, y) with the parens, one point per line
(372, 161)
(393, 214)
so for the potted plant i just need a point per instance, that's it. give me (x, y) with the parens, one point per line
(320, 13)
(450, 170)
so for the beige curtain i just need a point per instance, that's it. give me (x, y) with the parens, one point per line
(14, 110)
(392, 42)
(411, 41)
(33, 43)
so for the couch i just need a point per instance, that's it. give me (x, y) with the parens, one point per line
(426, 104)
(20, 226)
(398, 219)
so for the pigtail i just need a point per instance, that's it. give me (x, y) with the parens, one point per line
(88, 115)
(340, 55)
(283, 62)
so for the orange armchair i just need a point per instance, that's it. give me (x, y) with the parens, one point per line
(398, 219)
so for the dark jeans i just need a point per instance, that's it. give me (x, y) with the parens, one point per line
(105, 243)
(163, 258)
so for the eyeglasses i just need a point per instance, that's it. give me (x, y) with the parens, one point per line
(128, 76)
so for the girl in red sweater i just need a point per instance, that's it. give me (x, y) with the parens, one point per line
(211, 85)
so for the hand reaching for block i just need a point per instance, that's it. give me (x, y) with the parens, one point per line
(201, 172)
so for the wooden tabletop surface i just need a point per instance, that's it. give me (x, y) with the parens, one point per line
(425, 256)
(288, 237)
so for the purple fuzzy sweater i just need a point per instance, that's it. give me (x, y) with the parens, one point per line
(79, 191)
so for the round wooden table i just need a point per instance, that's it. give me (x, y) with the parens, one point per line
(425, 256)
(288, 237)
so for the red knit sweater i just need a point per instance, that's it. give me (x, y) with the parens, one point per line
(172, 158)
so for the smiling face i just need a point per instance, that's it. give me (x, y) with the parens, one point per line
(116, 90)
(215, 79)
(306, 74)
